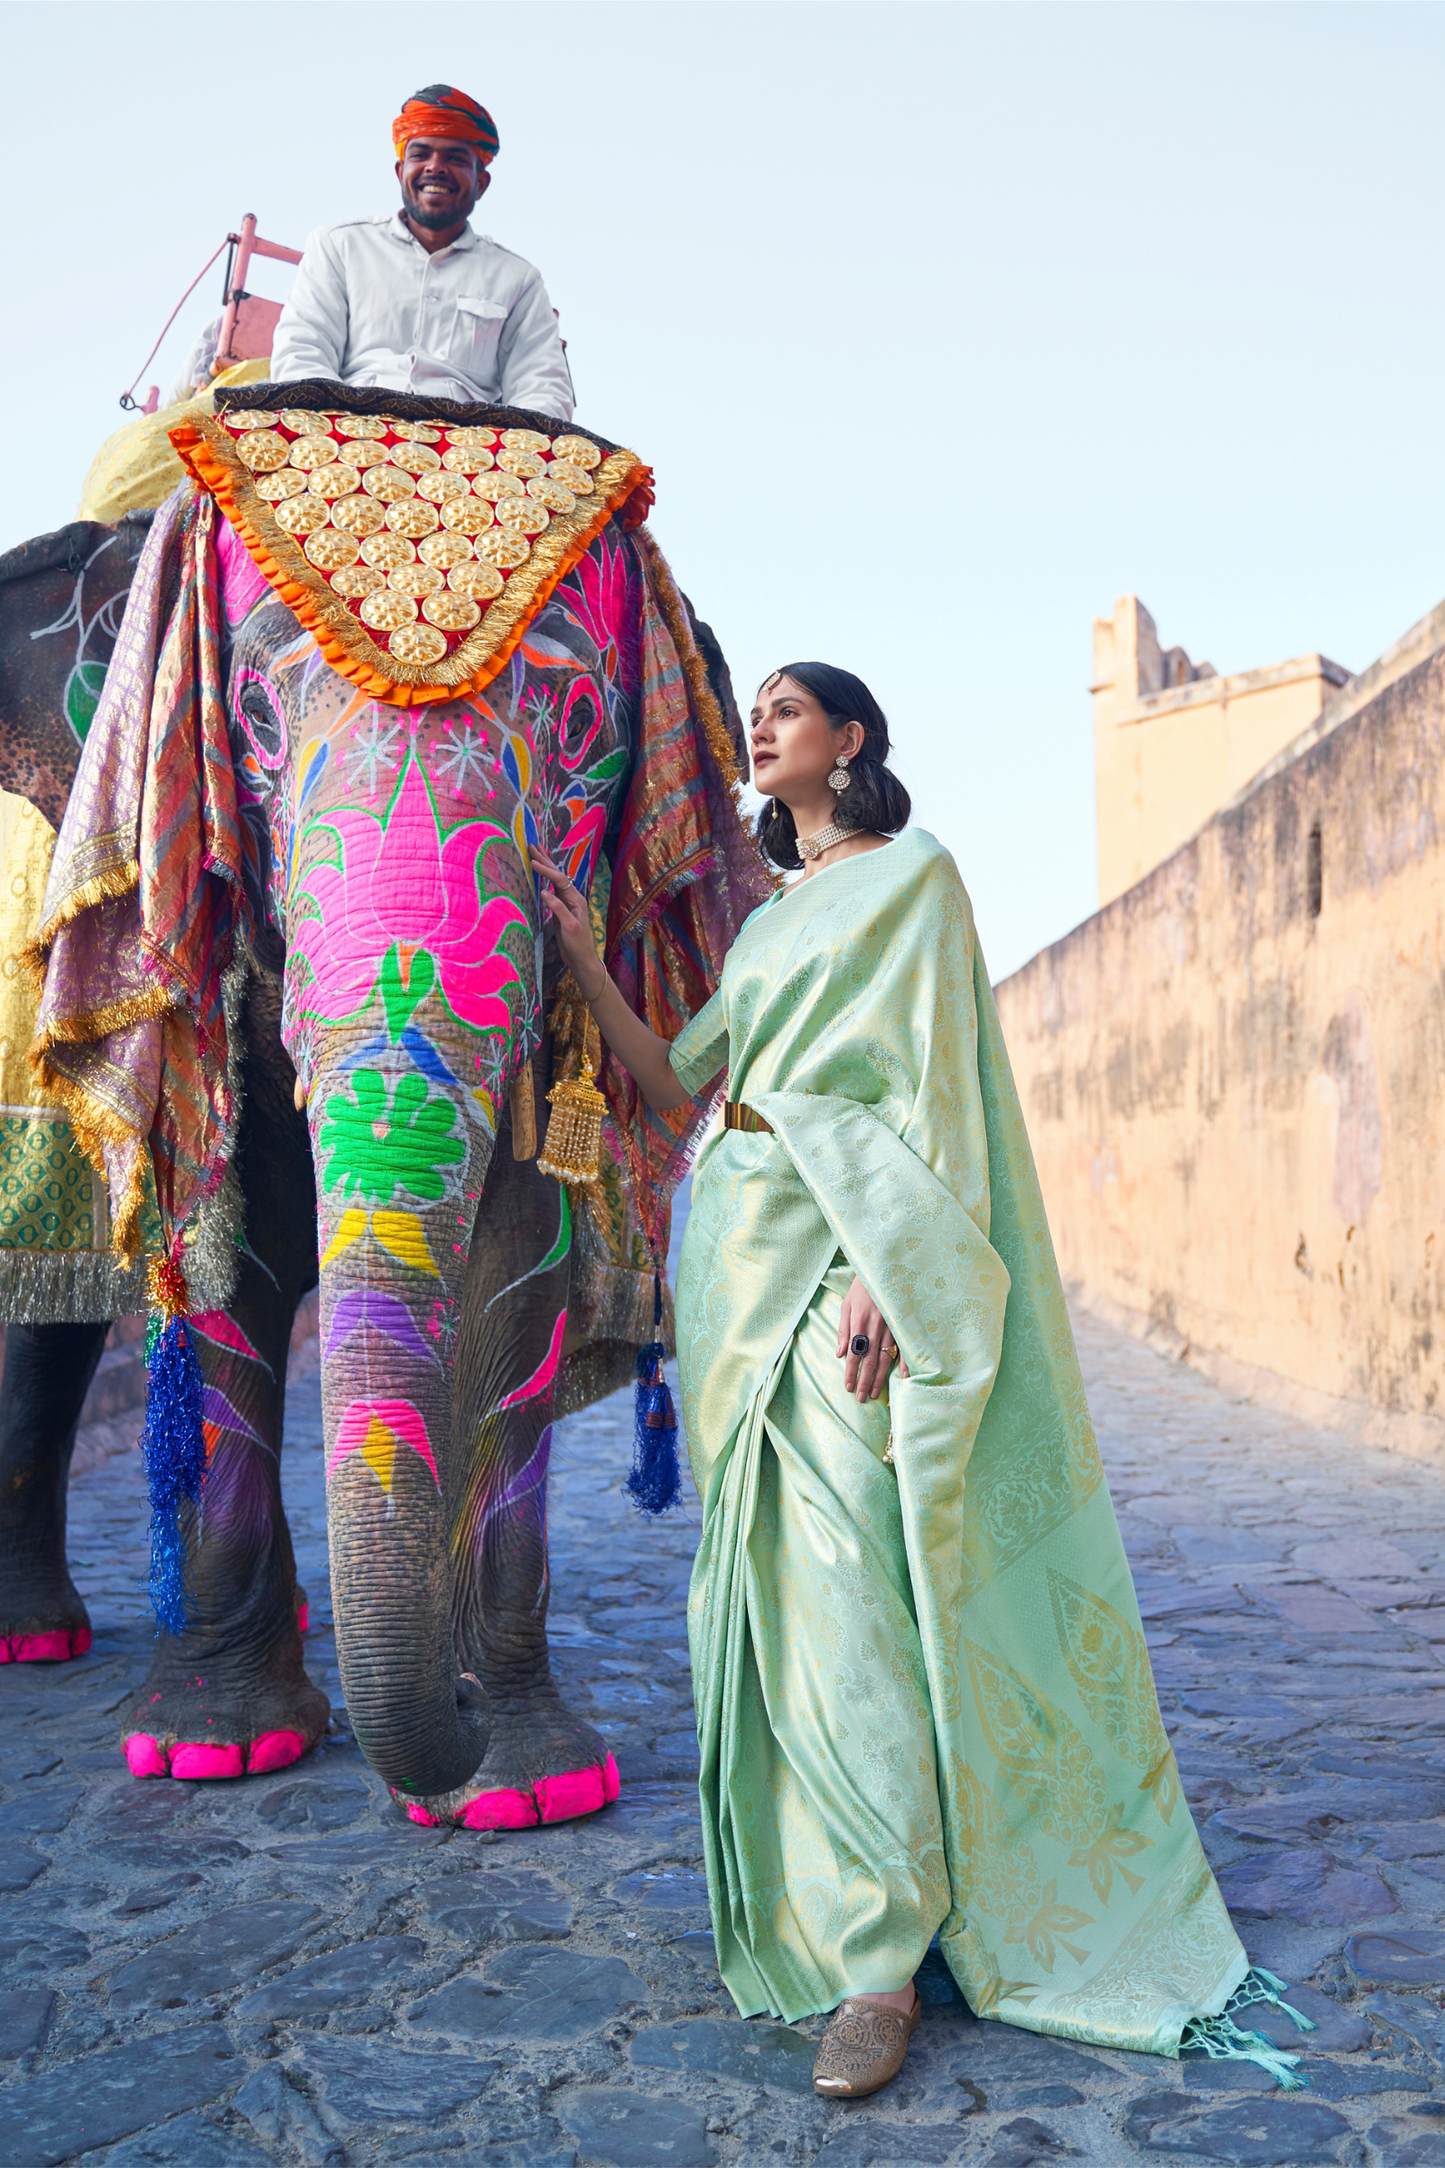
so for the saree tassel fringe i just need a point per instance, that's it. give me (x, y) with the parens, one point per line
(1225, 2041)
(173, 1442)
(655, 1482)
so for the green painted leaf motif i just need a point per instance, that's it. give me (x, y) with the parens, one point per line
(82, 696)
(610, 765)
(405, 984)
(375, 1150)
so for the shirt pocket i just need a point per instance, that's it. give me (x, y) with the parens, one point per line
(478, 332)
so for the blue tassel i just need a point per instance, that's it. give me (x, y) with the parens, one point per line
(174, 1447)
(655, 1482)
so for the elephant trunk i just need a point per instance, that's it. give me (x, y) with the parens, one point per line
(422, 1728)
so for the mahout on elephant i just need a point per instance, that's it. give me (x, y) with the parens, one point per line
(294, 868)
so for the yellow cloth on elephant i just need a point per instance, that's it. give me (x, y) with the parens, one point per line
(924, 1699)
(137, 467)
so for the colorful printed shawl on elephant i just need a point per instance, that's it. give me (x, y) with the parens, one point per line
(924, 1699)
(155, 890)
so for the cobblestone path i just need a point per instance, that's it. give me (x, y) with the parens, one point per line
(280, 1970)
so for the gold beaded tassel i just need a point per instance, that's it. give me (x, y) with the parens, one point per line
(573, 1150)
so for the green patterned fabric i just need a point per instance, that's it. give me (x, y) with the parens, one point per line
(924, 1699)
(48, 1188)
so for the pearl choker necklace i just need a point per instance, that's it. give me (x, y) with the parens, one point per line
(823, 840)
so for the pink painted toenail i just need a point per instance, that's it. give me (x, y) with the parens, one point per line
(303, 1618)
(501, 1810)
(274, 1750)
(577, 1791)
(611, 1781)
(7, 1654)
(423, 1815)
(42, 1648)
(80, 1641)
(144, 1758)
(206, 1761)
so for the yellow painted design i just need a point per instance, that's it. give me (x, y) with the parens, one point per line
(378, 1450)
(402, 1233)
(349, 1228)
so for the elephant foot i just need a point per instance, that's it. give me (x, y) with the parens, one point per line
(543, 1767)
(191, 1720)
(45, 1621)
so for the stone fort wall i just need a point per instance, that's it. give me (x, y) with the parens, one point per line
(1234, 1079)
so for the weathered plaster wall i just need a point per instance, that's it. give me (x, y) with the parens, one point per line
(1238, 1106)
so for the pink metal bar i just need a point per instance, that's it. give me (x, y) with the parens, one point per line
(248, 244)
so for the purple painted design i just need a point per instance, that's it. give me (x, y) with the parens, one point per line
(384, 1313)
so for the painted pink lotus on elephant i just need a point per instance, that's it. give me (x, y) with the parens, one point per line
(403, 902)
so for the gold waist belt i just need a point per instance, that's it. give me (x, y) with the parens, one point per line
(737, 1116)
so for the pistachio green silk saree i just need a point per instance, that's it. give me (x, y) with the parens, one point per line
(924, 1700)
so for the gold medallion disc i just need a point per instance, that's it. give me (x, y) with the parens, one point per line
(578, 450)
(467, 515)
(359, 514)
(496, 486)
(361, 425)
(353, 581)
(299, 515)
(262, 450)
(415, 580)
(337, 480)
(445, 550)
(415, 458)
(553, 495)
(481, 581)
(284, 482)
(309, 452)
(515, 461)
(386, 610)
(571, 476)
(504, 546)
(303, 423)
(412, 516)
(454, 613)
(437, 486)
(416, 432)
(467, 459)
(523, 512)
(389, 483)
(362, 452)
(525, 440)
(419, 644)
(387, 550)
(469, 439)
(254, 420)
(329, 549)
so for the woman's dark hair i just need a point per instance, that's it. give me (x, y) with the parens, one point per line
(874, 798)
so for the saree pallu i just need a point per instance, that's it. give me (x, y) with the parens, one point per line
(924, 1699)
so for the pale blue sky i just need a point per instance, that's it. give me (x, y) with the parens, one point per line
(941, 325)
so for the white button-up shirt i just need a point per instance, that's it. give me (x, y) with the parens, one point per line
(472, 322)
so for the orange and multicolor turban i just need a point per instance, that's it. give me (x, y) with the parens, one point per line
(441, 111)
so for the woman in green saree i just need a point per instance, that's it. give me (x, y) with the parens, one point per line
(924, 1701)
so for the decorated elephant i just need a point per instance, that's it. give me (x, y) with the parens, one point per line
(293, 870)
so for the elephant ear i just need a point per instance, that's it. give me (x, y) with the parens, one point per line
(686, 873)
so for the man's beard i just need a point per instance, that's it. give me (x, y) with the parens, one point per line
(436, 221)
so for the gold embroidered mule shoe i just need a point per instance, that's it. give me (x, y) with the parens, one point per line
(863, 2048)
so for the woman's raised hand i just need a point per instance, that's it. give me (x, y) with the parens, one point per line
(867, 1368)
(567, 907)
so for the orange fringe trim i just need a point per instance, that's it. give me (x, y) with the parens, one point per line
(206, 451)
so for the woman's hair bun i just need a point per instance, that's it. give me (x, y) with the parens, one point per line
(874, 798)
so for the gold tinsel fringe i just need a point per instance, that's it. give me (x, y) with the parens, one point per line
(96, 1125)
(108, 887)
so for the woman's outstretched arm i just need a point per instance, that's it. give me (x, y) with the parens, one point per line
(639, 1049)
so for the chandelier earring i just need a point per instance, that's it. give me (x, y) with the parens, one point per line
(839, 780)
